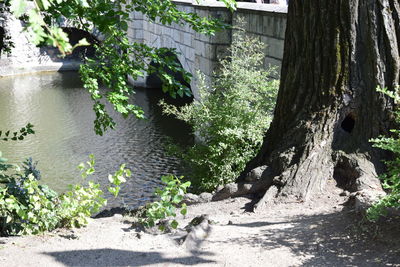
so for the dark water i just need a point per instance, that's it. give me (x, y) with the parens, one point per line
(61, 112)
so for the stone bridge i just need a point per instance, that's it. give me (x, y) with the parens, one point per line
(25, 57)
(198, 51)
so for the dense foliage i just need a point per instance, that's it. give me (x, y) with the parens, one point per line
(115, 57)
(27, 207)
(391, 180)
(232, 115)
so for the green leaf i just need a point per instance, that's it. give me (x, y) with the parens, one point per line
(177, 199)
(114, 190)
(124, 25)
(82, 42)
(166, 179)
(184, 211)
(81, 166)
(186, 184)
(174, 224)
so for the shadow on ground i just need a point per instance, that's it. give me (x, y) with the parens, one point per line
(336, 239)
(116, 257)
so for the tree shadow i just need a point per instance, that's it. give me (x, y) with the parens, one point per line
(116, 257)
(336, 239)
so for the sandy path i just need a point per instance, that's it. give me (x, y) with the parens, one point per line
(318, 233)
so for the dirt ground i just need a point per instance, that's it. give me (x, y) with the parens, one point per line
(320, 232)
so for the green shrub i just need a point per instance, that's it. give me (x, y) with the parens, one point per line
(170, 198)
(26, 207)
(391, 180)
(231, 116)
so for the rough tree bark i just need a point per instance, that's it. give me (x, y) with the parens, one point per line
(336, 54)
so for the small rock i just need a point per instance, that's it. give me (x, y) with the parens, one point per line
(205, 197)
(228, 191)
(220, 187)
(231, 188)
(345, 193)
(190, 198)
(230, 222)
(255, 174)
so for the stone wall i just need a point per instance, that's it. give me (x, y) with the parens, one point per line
(198, 51)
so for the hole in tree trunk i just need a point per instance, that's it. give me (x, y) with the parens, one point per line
(346, 175)
(348, 123)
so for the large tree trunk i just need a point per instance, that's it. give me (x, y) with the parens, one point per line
(337, 52)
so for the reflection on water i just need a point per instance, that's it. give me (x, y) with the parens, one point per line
(61, 112)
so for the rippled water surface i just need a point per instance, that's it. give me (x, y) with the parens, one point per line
(61, 112)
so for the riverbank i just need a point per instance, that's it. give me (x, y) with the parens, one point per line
(321, 232)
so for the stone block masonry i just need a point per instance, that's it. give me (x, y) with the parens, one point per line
(199, 52)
